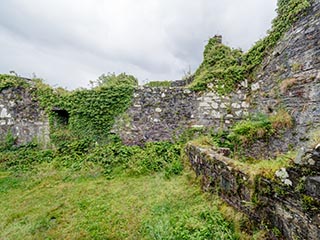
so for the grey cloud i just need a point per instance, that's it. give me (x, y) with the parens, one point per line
(71, 42)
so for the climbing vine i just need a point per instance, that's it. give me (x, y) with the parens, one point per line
(7, 81)
(91, 112)
(288, 13)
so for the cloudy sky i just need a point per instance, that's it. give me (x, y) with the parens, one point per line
(69, 42)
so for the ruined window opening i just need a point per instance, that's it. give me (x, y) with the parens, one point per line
(61, 117)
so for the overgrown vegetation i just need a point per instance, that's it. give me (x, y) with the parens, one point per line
(243, 134)
(223, 68)
(260, 127)
(265, 167)
(246, 132)
(288, 12)
(7, 81)
(91, 112)
(8, 142)
(114, 158)
(158, 84)
(111, 79)
(107, 191)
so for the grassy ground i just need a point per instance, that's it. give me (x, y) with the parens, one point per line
(51, 202)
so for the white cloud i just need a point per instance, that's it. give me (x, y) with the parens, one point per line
(69, 42)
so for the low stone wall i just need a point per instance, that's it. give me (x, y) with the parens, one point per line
(288, 205)
(21, 116)
(158, 114)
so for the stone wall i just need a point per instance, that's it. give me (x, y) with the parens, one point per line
(288, 206)
(164, 113)
(22, 116)
(290, 76)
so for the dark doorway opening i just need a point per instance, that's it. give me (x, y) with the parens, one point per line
(61, 116)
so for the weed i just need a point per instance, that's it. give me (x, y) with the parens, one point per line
(8, 143)
(286, 84)
(315, 138)
(265, 168)
(247, 131)
(296, 67)
(282, 120)
(309, 203)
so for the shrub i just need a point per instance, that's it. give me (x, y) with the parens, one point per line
(8, 143)
(111, 79)
(7, 81)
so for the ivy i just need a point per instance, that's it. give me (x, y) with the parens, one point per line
(221, 68)
(10, 81)
(289, 12)
(91, 112)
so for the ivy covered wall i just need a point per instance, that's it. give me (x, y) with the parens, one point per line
(81, 114)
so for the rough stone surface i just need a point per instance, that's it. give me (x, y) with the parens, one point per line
(164, 113)
(313, 186)
(277, 205)
(178, 83)
(309, 157)
(290, 77)
(22, 116)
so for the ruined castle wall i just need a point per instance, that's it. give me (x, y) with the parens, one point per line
(158, 114)
(290, 76)
(21, 116)
(286, 205)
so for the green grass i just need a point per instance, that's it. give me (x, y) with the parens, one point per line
(50, 202)
(265, 168)
(158, 84)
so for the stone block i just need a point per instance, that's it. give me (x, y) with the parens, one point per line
(245, 105)
(313, 186)
(235, 105)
